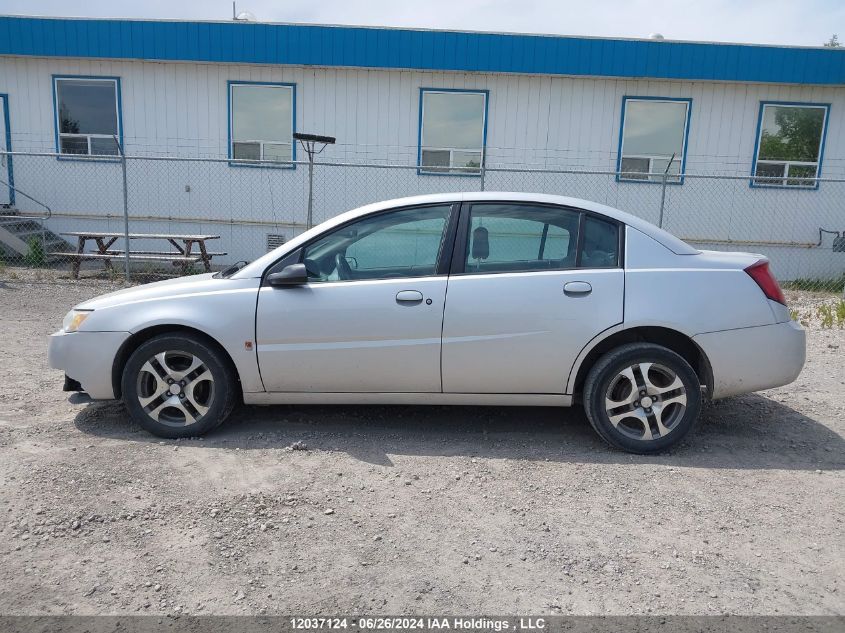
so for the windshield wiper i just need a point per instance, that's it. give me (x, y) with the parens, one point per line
(231, 270)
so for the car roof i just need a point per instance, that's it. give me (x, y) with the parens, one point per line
(677, 246)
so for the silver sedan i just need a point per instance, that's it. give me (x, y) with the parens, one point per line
(473, 299)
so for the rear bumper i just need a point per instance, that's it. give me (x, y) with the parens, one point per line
(87, 358)
(754, 358)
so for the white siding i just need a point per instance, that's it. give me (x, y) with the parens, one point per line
(180, 109)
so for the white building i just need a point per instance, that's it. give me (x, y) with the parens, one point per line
(441, 103)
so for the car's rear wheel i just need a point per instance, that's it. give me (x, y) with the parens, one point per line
(642, 398)
(178, 386)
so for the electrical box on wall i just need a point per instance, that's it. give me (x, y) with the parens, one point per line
(274, 240)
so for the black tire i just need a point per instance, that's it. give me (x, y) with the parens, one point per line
(607, 375)
(218, 394)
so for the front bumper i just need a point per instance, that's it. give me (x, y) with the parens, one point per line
(87, 358)
(754, 358)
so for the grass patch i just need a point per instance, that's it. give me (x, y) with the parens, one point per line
(835, 285)
(35, 256)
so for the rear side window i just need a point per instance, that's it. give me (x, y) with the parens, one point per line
(519, 238)
(601, 244)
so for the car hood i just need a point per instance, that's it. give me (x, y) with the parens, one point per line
(156, 290)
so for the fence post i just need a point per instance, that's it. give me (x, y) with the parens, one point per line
(125, 208)
(663, 189)
(662, 200)
(483, 173)
(310, 220)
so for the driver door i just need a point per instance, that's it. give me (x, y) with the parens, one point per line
(369, 319)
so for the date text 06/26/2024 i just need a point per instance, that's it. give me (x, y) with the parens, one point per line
(430, 623)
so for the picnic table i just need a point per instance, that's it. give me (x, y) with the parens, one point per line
(184, 256)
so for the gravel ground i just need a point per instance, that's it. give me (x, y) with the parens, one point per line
(412, 509)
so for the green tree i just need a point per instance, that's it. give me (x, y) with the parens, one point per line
(798, 134)
(833, 42)
(67, 125)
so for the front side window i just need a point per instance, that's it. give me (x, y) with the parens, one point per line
(452, 132)
(87, 116)
(520, 238)
(789, 144)
(653, 141)
(404, 243)
(261, 122)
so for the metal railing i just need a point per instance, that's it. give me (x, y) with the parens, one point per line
(250, 204)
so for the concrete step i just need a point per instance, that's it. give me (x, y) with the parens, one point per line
(16, 233)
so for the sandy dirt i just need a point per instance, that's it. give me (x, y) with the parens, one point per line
(315, 510)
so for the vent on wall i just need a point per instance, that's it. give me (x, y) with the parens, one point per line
(274, 240)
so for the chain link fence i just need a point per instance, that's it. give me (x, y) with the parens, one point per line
(183, 215)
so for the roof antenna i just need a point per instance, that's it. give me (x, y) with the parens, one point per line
(234, 11)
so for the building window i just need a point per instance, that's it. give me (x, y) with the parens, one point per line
(453, 126)
(87, 115)
(790, 139)
(261, 121)
(654, 138)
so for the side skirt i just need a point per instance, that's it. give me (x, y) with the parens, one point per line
(480, 399)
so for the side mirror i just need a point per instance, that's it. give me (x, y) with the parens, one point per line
(293, 275)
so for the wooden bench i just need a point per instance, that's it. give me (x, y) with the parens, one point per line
(78, 258)
(120, 252)
(104, 241)
(145, 258)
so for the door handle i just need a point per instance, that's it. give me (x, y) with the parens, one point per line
(577, 288)
(409, 296)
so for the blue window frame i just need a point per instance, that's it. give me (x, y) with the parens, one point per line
(789, 146)
(6, 144)
(87, 116)
(262, 120)
(653, 137)
(452, 134)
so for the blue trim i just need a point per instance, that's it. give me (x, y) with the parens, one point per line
(763, 105)
(299, 44)
(625, 99)
(233, 82)
(93, 158)
(10, 175)
(422, 171)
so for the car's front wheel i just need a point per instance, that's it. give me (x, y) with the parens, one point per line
(642, 398)
(178, 385)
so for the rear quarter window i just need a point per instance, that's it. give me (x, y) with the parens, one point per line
(600, 247)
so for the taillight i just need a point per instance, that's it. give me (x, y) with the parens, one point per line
(766, 280)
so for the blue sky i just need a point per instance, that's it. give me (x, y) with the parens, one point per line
(797, 22)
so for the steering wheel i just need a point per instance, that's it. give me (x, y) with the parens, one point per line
(313, 269)
(344, 270)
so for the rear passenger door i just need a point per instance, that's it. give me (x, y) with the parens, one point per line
(530, 286)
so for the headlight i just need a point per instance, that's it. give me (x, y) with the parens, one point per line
(74, 319)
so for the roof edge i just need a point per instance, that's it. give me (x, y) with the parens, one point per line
(424, 30)
(417, 49)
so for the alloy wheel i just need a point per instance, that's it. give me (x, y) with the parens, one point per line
(175, 388)
(646, 401)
